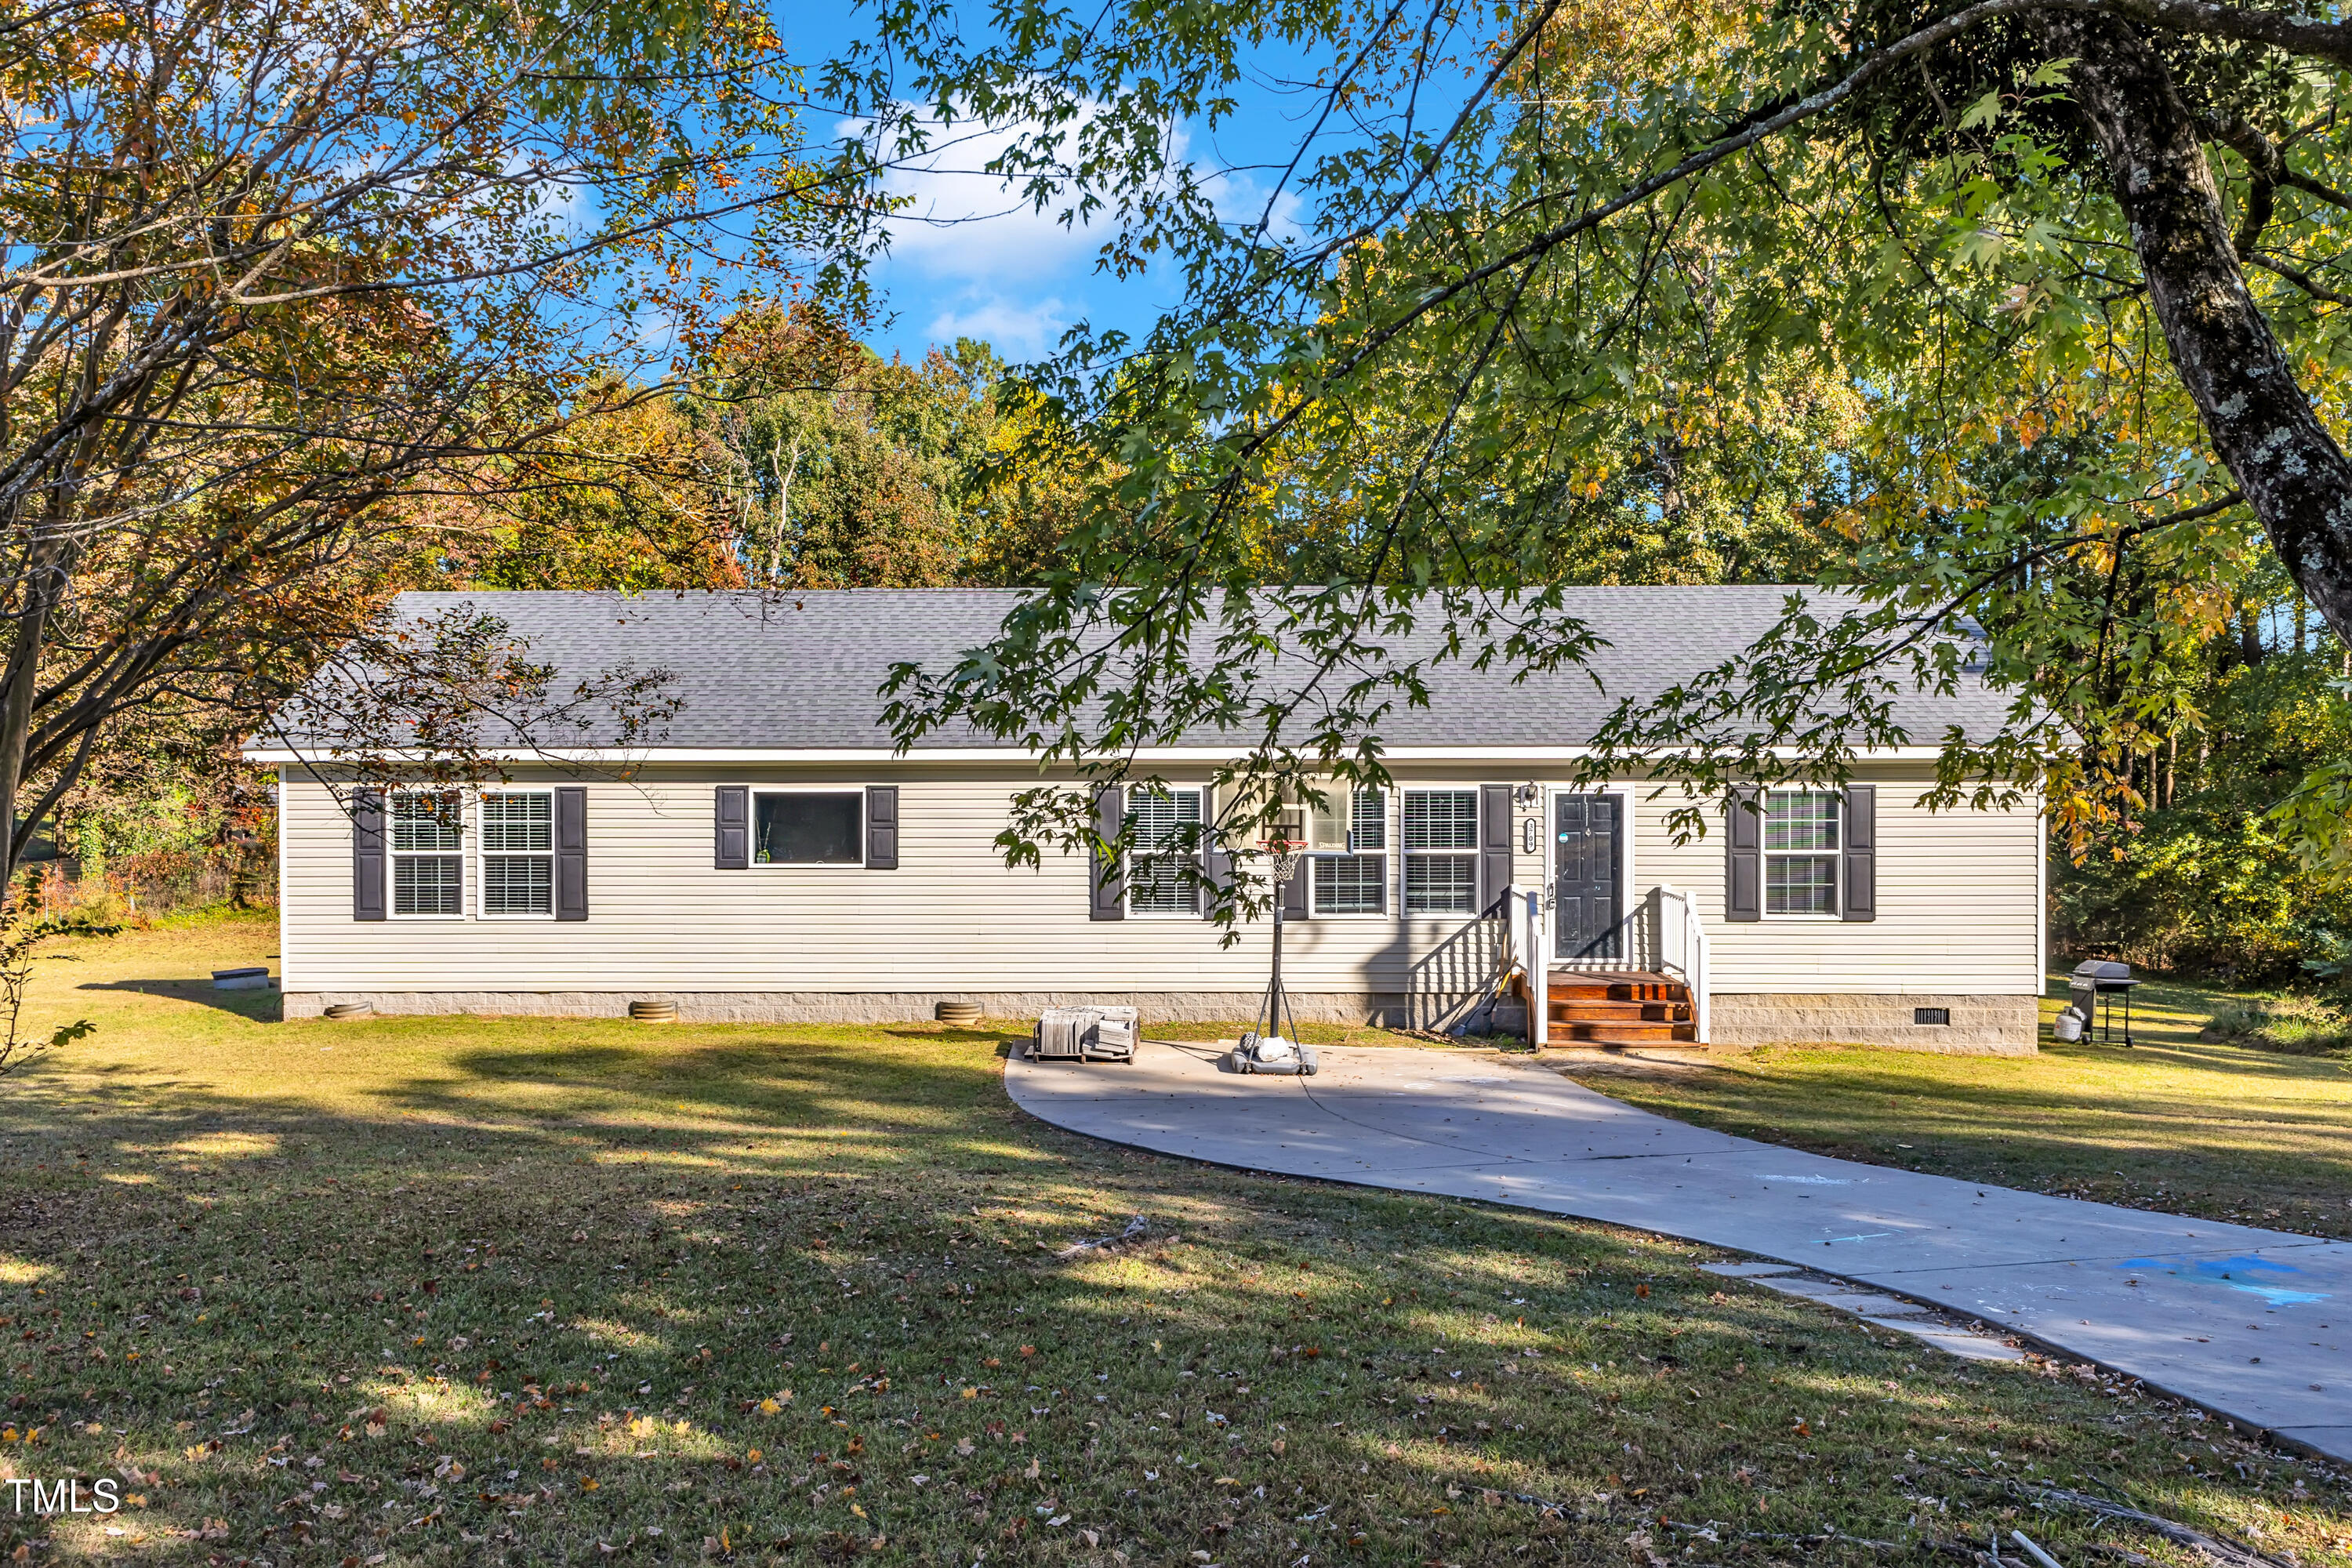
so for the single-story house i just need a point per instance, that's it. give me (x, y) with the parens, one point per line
(770, 855)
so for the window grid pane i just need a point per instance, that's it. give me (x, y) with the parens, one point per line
(518, 824)
(1801, 819)
(424, 822)
(519, 885)
(1801, 884)
(1440, 884)
(1370, 829)
(428, 885)
(1352, 885)
(1440, 819)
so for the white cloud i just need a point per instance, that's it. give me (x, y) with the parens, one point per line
(971, 256)
(1240, 196)
(964, 224)
(1019, 330)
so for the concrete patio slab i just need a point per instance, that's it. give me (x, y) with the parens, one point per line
(1953, 1342)
(1860, 1303)
(2252, 1323)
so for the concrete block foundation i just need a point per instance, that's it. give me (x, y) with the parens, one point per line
(1979, 1025)
(1382, 1009)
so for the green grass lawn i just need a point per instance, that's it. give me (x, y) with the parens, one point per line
(472, 1291)
(2175, 1123)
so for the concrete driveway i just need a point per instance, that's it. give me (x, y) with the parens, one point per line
(2241, 1321)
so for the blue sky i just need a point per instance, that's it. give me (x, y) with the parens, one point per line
(990, 267)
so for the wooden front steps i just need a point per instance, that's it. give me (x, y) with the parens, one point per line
(1615, 1008)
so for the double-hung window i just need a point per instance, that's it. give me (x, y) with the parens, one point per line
(429, 863)
(517, 852)
(1166, 843)
(1441, 851)
(1800, 852)
(1347, 844)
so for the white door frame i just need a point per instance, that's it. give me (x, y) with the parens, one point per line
(1628, 902)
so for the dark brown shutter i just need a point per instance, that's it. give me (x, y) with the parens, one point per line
(1861, 878)
(1743, 861)
(367, 855)
(572, 853)
(731, 848)
(882, 828)
(1216, 866)
(1493, 843)
(1106, 884)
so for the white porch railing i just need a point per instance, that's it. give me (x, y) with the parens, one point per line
(1538, 976)
(1527, 947)
(1679, 947)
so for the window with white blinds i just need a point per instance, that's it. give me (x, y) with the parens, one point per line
(1166, 825)
(1441, 851)
(427, 850)
(519, 853)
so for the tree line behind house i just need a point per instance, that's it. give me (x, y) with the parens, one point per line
(805, 459)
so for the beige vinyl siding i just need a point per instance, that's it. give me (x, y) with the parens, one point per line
(1957, 905)
(951, 917)
(1959, 902)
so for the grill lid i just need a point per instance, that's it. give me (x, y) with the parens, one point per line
(2104, 973)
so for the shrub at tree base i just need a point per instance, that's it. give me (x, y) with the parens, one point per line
(2299, 1024)
(160, 882)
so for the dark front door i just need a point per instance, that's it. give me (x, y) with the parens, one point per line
(1584, 859)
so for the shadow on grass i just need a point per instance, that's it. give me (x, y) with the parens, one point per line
(262, 1005)
(551, 1285)
(2177, 1123)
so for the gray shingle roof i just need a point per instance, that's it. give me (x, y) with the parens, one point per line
(802, 671)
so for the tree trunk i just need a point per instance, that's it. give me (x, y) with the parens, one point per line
(18, 687)
(2293, 474)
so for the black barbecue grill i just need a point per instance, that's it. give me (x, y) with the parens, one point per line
(2102, 980)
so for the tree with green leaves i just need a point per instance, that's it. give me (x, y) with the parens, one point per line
(277, 274)
(2072, 265)
(843, 468)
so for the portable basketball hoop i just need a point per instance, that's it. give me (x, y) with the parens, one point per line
(1268, 1047)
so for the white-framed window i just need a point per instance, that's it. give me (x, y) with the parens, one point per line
(1441, 851)
(1800, 852)
(808, 827)
(518, 853)
(427, 850)
(1348, 848)
(1166, 838)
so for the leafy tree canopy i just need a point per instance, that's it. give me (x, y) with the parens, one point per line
(2023, 313)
